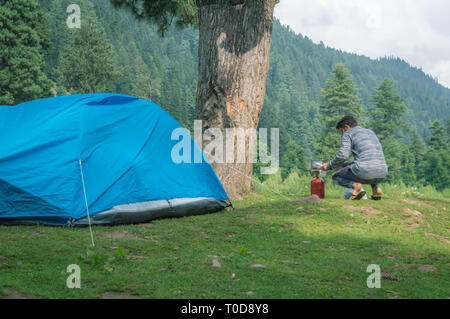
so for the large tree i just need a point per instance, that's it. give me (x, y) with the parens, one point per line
(387, 111)
(436, 140)
(339, 98)
(87, 64)
(233, 53)
(145, 85)
(435, 169)
(23, 42)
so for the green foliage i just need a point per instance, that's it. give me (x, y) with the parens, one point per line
(261, 148)
(399, 161)
(436, 141)
(417, 148)
(162, 12)
(243, 250)
(87, 65)
(385, 116)
(145, 86)
(435, 169)
(293, 159)
(448, 132)
(23, 42)
(339, 96)
(120, 252)
(103, 261)
(161, 69)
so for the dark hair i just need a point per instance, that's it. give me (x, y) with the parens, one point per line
(347, 120)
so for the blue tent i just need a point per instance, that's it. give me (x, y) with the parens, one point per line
(113, 150)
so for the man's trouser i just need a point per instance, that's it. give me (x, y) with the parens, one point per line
(345, 177)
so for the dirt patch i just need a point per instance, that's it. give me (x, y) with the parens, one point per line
(151, 237)
(412, 212)
(427, 268)
(368, 212)
(394, 294)
(202, 235)
(309, 199)
(414, 218)
(414, 255)
(147, 225)
(118, 295)
(412, 224)
(404, 266)
(3, 263)
(12, 294)
(443, 238)
(34, 233)
(259, 266)
(119, 234)
(417, 202)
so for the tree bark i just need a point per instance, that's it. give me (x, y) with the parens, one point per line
(234, 46)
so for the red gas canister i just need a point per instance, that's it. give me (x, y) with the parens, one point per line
(318, 187)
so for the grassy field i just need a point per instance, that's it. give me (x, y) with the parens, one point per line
(268, 247)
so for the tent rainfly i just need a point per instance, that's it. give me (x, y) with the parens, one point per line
(109, 155)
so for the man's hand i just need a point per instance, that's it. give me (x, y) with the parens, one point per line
(325, 167)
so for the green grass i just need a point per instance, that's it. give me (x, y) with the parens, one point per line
(320, 251)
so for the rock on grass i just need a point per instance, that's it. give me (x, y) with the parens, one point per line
(216, 263)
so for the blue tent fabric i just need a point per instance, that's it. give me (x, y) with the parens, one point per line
(125, 147)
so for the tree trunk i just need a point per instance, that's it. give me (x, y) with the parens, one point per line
(233, 54)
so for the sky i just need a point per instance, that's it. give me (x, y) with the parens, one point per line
(417, 31)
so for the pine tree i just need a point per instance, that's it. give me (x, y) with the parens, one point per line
(387, 111)
(448, 132)
(339, 98)
(144, 85)
(87, 64)
(293, 159)
(436, 167)
(417, 148)
(396, 155)
(23, 42)
(436, 141)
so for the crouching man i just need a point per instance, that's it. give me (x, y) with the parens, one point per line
(369, 166)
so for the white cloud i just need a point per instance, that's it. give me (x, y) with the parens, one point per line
(417, 31)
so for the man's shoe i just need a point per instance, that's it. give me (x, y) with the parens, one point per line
(359, 195)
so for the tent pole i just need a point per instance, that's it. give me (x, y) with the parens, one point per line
(86, 202)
